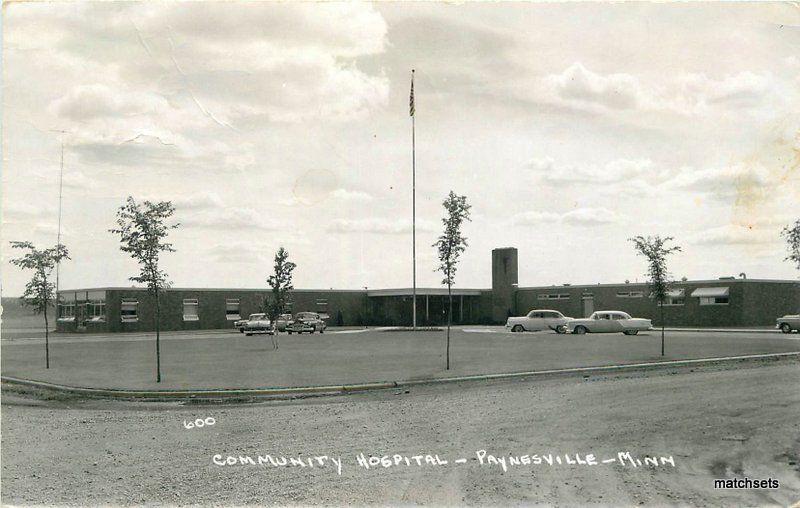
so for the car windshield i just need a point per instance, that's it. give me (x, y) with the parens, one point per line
(256, 316)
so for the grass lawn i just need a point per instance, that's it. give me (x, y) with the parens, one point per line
(232, 360)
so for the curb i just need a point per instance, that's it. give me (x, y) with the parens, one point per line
(722, 330)
(305, 391)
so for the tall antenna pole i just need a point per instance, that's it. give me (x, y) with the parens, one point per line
(60, 194)
(413, 204)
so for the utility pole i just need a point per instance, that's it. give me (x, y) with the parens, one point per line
(413, 204)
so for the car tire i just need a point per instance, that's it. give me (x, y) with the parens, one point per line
(249, 334)
(289, 333)
(561, 329)
(517, 329)
(786, 328)
(580, 330)
(322, 330)
(631, 332)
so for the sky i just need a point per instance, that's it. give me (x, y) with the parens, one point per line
(569, 127)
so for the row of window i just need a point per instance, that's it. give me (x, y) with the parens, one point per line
(707, 296)
(129, 310)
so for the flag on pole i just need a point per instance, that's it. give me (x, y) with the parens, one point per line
(411, 99)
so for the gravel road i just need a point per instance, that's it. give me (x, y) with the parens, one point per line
(714, 422)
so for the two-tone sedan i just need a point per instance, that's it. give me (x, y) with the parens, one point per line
(257, 323)
(539, 319)
(283, 321)
(240, 325)
(788, 323)
(609, 321)
(306, 322)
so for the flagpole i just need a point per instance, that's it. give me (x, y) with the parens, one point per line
(413, 204)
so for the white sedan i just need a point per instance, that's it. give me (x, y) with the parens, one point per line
(609, 321)
(258, 323)
(539, 319)
(789, 323)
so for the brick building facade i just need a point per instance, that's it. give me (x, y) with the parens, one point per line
(726, 302)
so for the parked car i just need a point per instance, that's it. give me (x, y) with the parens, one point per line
(788, 323)
(282, 321)
(306, 322)
(257, 323)
(539, 319)
(240, 324)
(609, 321)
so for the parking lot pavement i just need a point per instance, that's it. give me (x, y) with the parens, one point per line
(233, 360)
(726, 423)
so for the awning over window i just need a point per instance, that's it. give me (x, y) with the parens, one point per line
(710, 292)
(676, 293)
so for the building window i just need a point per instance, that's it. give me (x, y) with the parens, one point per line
(674, 297)
(190, 307)
(66, 311)
(712, 296)
(95, 307)
(554, 296)
(322, 305)
(232, 312)
(714, 300)
(96, 311)
(129, 310)
(630, 294)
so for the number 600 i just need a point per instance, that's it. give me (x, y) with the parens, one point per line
(199, 423)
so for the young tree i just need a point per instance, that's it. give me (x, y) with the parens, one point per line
(792, 235)
(142, 231)
(281, 284)
(39, 291)
(655, 250)
(450, 245)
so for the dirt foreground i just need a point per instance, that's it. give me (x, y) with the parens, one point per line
(713, 423)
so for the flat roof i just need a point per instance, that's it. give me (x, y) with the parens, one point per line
(442, 290)
(243, 290)
(645, 284)
(425, 292)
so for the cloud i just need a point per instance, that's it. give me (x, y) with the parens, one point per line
(734, 234)
(725, 182)
(17, 212)
(222, 62)
(686, 94)
(379, 226)
(187, 73)
(351, 196)
(696, 92)
(231, 218)
(90, 101)
(74, 179)
(614, 171)
(239, 252)
(198, 202)
(578, 217)
(579, 85)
